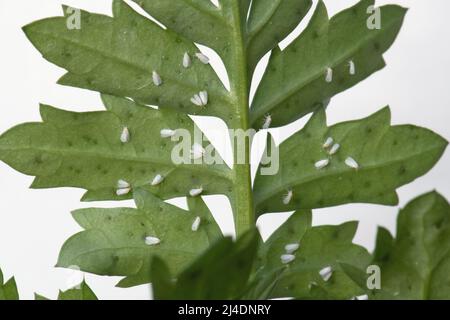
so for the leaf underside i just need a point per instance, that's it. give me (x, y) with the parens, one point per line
(289, 89)
(84, 150)
(416, 264)
(114, 240)
(388, 157)
(119, 55)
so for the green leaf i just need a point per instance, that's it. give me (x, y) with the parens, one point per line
(8, 290)
(197, 20)
(220, 273)
(114, 240)
(416, 264)
(289, 90)
(39, 297)
(269, 22)
(388, 157)
(319, 247)
(81, 292)
(84, 150)
(118, 55)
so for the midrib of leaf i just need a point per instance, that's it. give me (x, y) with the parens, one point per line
(120, 60)
(243, 207)
(312, 177)
(315, 76)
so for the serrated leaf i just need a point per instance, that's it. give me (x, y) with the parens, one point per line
(8, 290)
(84, 150)
(269, 22)
(118, 55)
(416, 264)
(114, 240)
(319, 247)
(290, 90)
(204, 279)
(197, 20)
(81, 292)
(388, 157)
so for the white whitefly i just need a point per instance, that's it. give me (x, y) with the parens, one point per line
(122, 184)
(362, 297)
(197, 151)
(334, 149)
(157, 180)
(125, 135)
(197, 100)
(196, 224)
(287, 198)
(167, 133)
(322, 163)
(328, 142)
(350, 162)
(326, 273)
(203, 97)
(352, 67)
(196, 192)
(287, 258)
(123, 188)
(267, 121)
(329, 75)
(187, 62)
(157, 81)
(152, 241)
(291, 247)
(202, 57)
(123, 191)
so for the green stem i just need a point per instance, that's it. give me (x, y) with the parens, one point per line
(243, 207)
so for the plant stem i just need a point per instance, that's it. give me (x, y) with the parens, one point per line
(243, 207)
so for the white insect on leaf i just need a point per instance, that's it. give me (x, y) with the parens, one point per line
(287, 258)
(157, 81)
(287, 198)
(328, 143)
(326, 273)
(187, 62)
(122, 184)
(123, 191)
(167, 133)
(352, 67)
(202, 57)
(329, 75)
(152, 241)
(204, 97)
(334, 149)
(197, 151)
(362, 297)
(267, 122)
(322, 164)
(196, 224)
(350, 162)
(158, 179)
(197, 100)
(196, 192)
(291, 247)
(125, 135)
(123, 188)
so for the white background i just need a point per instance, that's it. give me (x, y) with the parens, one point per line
(35, 223)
